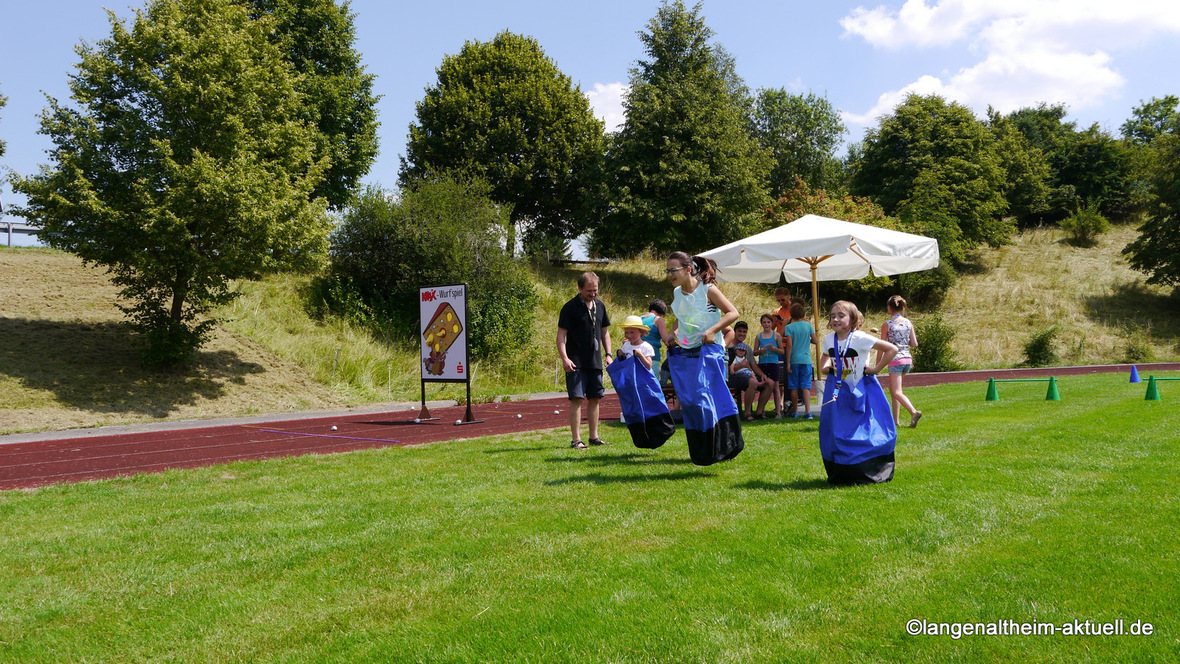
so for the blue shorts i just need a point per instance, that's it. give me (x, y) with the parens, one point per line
(800, 377)
(584, 384)
(902, 369)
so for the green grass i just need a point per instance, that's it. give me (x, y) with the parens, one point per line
(516, 548)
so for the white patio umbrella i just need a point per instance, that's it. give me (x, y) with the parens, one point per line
(814, 248)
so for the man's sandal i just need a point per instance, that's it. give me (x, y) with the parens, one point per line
(577, 445)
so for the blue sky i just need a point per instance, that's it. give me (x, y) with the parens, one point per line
(1099, 57)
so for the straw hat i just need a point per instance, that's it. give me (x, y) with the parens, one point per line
(635, 322)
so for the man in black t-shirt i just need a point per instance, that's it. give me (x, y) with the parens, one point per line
(582, 342)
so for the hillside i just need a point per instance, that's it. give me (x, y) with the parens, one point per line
(66, 362)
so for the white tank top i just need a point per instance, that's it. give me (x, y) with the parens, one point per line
(694, 315)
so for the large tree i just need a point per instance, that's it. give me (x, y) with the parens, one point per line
(1150, 119)
(685, 171)
(1157, 250)
(503, 112)
(802, 133)
(187, 164)
(1027, 176)
(316, 38)
(934, 163)
(1086, 165)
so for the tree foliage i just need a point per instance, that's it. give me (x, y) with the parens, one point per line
(936, 167)
(1085, 165)
(1156, 252)
(686, 173)
(801, 133)
(316, 37)
(187, 165)
(1027, 175)
(503, 112)
(432, 232)
(1151, 119)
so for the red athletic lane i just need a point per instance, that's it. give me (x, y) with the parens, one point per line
(25, 465)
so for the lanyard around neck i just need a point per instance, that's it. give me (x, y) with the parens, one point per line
(840, 355)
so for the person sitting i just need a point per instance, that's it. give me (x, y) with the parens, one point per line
(748, 379)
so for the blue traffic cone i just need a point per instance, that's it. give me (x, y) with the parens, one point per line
(1135, 375)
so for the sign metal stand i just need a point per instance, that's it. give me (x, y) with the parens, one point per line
(444, 356)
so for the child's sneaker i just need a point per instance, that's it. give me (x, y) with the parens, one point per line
(809, 416)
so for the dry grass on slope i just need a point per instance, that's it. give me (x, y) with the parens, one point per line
(66, 362)
(1099, 304)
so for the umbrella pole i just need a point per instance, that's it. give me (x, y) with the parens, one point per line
(815, 315)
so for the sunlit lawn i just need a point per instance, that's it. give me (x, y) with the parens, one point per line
(518, 549)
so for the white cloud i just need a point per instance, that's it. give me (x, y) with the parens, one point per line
(1057, 51)
(607, 102)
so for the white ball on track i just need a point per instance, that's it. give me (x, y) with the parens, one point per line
(458, 421)
(333, 427)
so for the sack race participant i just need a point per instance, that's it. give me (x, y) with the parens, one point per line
(642, 400)
(697, 360)
(857, 435)
(711, 422)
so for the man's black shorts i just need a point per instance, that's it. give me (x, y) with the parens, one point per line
(739, 382)
(584, 384)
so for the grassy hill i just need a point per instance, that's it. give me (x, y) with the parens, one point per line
(65, 361)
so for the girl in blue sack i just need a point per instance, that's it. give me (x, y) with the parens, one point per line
(696, 358)
(857, 435)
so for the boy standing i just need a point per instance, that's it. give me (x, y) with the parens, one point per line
(798, 337)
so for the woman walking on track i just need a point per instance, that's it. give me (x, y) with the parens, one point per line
(899, 331)
(697, 360)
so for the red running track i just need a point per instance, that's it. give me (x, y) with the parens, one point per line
(25, 465)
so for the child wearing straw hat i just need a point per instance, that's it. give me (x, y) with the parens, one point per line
(633, 344)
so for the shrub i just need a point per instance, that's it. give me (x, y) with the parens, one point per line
(1137, 346)
(1041, 349)
(934, 352)
(1085, 225)
(437, 231)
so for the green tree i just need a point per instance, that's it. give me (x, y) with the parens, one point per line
(1157, 250)
(186, 166)
(435, 231)
(1099, 168)
(686, 173)
(1086, 165)
(317, 39)
(503, 112)
(1027, 174)
(802, 133)
(1150, 119)
(936, 167)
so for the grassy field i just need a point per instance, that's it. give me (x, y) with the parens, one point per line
(518, 549)
(66, 362)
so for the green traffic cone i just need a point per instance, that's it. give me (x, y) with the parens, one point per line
(1052, 394)
(1153, 392)
(992, 393)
